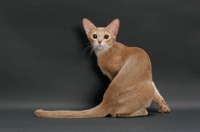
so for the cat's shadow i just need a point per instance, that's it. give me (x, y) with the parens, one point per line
(100, 89)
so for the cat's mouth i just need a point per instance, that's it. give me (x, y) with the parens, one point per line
(100, 47)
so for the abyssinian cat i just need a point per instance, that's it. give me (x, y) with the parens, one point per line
(131, 89)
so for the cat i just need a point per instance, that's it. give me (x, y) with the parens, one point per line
(131, 90)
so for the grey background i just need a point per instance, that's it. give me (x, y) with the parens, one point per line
(42, 64)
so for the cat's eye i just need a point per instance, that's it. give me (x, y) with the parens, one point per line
(94, 36)
(106, 36)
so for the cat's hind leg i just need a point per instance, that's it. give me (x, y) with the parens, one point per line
(141, 112)
(163, 107)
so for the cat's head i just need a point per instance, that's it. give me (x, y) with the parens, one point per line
(101, 38)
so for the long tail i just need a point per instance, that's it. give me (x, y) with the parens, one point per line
(98, 111)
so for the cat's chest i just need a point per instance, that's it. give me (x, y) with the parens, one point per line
(110, 65)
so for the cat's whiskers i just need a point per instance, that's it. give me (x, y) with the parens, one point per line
(91, 51)
(87, 48)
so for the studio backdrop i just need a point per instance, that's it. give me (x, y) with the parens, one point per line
(42, 64)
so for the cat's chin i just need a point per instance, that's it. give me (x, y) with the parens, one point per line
(100, 49)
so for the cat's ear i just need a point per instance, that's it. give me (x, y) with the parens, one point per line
(114, 26)
(88, 25)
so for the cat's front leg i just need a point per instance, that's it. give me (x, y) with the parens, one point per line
(163, 107)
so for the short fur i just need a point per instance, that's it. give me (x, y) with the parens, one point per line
(131, 89)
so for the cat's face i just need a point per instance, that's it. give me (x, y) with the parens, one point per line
(102, 39)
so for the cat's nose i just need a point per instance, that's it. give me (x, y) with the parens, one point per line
(99, 42)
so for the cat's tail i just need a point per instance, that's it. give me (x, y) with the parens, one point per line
(98, 111)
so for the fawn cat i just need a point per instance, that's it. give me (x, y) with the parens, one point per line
(131, 89)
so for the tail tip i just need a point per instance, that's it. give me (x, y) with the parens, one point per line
(38, 113)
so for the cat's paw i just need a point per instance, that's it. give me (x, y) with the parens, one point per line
(164, 110)
(163, 107)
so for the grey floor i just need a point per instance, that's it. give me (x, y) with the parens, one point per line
(183, 120)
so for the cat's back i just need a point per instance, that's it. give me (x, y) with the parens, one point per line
(137, 55)
(131, 51)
